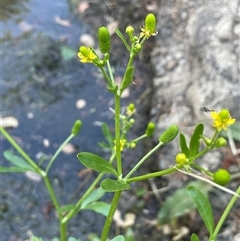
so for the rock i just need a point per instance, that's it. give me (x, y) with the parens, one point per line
(8, 122)
(198, 67)
(87, 40)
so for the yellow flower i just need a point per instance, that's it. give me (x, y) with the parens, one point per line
(149, 29)
(122, 144)
(222, 119)
(86, 55)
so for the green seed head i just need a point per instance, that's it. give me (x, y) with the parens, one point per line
(150, 129)
(76, 127)
(221, 177)
(150, 23)
(104, 40)
(169, 134)
(84, 51)
(224, 114)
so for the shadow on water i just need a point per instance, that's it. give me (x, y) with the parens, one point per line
(11, 8)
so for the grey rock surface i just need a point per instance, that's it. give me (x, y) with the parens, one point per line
(196, 64)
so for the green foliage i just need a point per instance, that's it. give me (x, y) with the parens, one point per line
(194, 237)
(98, 207)
(203, 206)
(108, 136)
(96, 163)
(93, 196)
(110, 185)
(179, 203)
(127, 79)
(183, 145)
(118, 238)
(195, 140)
(19, 164)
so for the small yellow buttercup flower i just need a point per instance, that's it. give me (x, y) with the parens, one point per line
(150, 26)
(122, 144)
(86, 55)
(222, 119)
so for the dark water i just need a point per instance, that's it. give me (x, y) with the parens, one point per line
(40, 89)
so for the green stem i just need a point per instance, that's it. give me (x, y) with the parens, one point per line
(143, 159)
(118, 133)
(110, 72)
(63, 231)
(109, 219)
(20, 150)
(201, 169)
(58, 151)
(51, 193)
(154, 174)
(224, 215)
(109, 81)
(138, 138)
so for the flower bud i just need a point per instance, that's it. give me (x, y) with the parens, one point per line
(137, 47)
(131, 121)
(220, 142)
(133, 145)
(169, 134)
(104, 40)
(129, 30)
(150, 23)
(150, 129)
(181, 158)
(221, 177)
(76, 127)
(130, 109)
